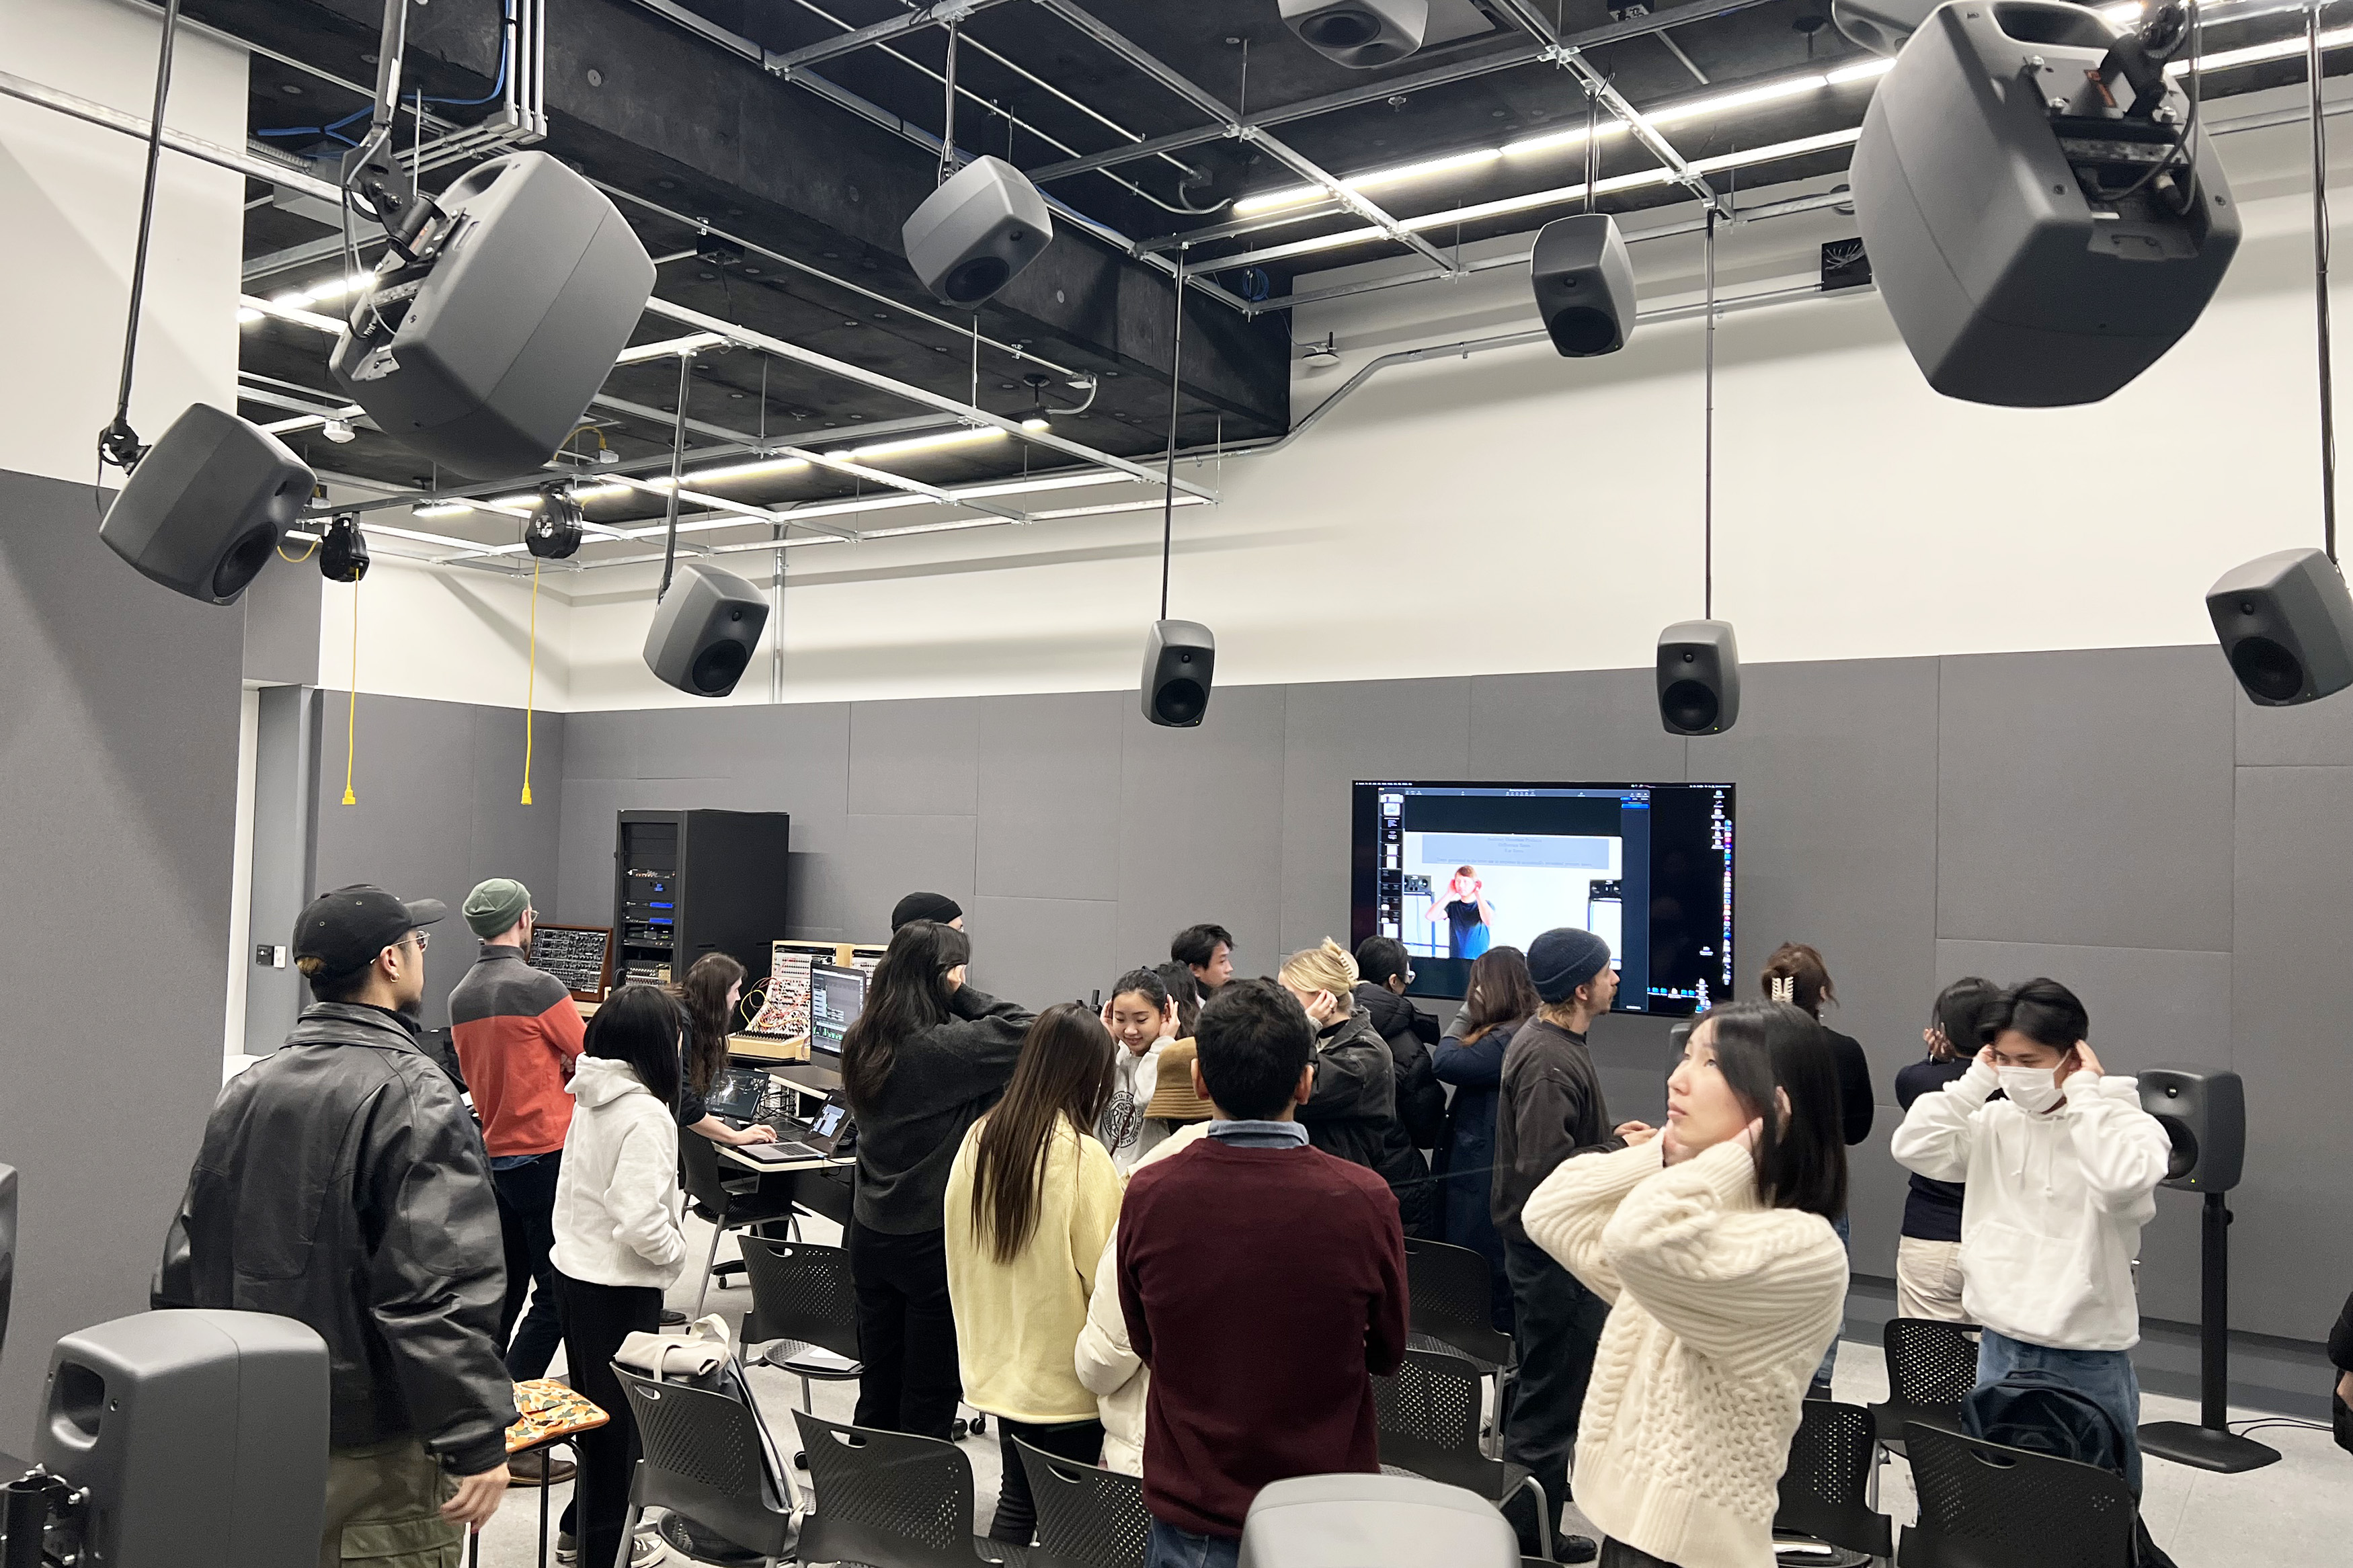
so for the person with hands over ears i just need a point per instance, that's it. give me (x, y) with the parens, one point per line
(2061, 1174)
(924, 1059)
(1548, 1109)
(1352, 1112)
(1142, 1017)
(1711, 1243)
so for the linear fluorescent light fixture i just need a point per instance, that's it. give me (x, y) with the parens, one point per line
(917, 444)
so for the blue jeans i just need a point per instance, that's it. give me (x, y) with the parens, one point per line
(1846, 1228)
(1173, 1548)
(2106, 1377)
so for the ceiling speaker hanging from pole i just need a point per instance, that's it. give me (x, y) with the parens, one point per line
(1698, 663)
(1583, 279)
(2284, 620)
(1178, 656)
(985, 223)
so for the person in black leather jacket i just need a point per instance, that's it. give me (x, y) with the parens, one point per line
(1352, 1111)
(342, 1183)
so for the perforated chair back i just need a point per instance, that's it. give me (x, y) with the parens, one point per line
(1826, 1487)
(698, 1173)
(702, 1458)
(888, 1497)
(802, 1292)
(1986, 1506)
(1931, 1365)
(1087, 1517)
(1427, 1417)
(1449, 1290)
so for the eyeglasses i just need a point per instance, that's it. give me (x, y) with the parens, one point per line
(421, 938)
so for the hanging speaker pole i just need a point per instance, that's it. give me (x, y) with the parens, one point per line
(117, 444)
(2320, 280)
(1698, 664)
(1169, 480)
(1707, 435)
(677, 464)
(1178, 656)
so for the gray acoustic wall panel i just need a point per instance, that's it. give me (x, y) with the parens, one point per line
(916, 758)
(1600, 724)
(1048, 796)
(282, 623)
(2312, 734)
(118, 761)
(1200, 828)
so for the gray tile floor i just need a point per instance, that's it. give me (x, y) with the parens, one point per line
(2297, 1513)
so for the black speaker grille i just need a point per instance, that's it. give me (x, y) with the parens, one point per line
(2266, 669)
(244, 561)
(1690, 706)
(1345, 28)
(975, 280)
(1581, 331)
(719, 667)
(1180, 701)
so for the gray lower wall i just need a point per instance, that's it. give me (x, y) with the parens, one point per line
(2120, 818)
(117, 768)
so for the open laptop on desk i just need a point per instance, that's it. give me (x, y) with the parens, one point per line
(820, 1140)
(737, 1094)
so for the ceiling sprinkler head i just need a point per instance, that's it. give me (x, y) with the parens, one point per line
(339, 431)
(1323, 355)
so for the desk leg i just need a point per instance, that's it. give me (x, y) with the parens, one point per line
(546, 1461)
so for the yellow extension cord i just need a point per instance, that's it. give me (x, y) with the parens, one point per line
(351, 718)
(531, 687)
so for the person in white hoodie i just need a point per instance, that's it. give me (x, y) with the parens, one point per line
(2061, 1174)
(1106, 1363)
(1142, 1016)
(618, 1242)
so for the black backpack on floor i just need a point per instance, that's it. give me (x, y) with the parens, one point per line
(2042, 1413)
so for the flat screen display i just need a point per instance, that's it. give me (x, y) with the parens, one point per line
(836, 997)
(1453, 868)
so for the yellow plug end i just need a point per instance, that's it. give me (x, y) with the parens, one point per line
(349, 798)
(526, 794)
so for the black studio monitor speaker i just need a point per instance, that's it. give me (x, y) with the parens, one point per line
(206, 508)
(2205, 1114)
(484, 358)
(1179, 659)
(1359, 32)
(973, 234)
(2003, 185)
(1699, 678)
(200, 1436)
(2285, 623)
(1583, 284)
(705, 630)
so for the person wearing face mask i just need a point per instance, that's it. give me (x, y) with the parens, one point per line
(1352, 1111)
(2061, 1174)
(1141, 1016)
(1711, 1242)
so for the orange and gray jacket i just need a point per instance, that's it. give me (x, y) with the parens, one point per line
(517, 1034)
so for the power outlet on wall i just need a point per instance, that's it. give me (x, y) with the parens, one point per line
(269, 955)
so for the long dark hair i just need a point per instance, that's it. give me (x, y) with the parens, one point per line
(1502, 993)
(1065, 1071)
(706, 991)
(639, 1024)
(1807, 979)
(907, 995)
(1178, 978)
(1762, 1047)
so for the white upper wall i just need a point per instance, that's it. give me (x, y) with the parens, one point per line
(70, 191)
(1513, 511)
(447, 633)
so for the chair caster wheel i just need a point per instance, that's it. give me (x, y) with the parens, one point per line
(957, 1428)
(800, 1461)
(979, 1423)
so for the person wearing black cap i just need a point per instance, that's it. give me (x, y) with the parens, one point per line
(1549, 1108)
(935, 907)
(382, 1236)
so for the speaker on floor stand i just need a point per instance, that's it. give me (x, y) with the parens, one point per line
(2204, 1114)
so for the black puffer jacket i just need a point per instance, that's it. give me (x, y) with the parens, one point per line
(1409, 1033)
(342, 1185)
(1353, 1114)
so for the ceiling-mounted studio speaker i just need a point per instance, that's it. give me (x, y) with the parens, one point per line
(704, 630)
(484, 357)
(1179, 659)
(973, 234)
(1359, 32)
(1583, 284)
(207, 505)
(1699, 678)
(2028, 253)
(2286, 622)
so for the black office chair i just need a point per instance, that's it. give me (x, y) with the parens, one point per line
(1427, 1417)
(890, 1498)
(1826, 1487)
(723, 1203)
(1931, 1367)
(1452, 1293)
(704, 1458)
(1986, 1506)
(1087, 1517)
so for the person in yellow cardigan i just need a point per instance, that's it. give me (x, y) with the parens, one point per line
(1031, 1200)
(1712, 1241)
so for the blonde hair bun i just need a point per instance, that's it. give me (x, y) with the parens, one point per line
(1325, 967)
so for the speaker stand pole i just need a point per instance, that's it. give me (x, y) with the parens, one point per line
(2210, 1445)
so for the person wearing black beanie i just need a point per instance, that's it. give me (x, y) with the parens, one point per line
(935, 907)
(1549, 1108)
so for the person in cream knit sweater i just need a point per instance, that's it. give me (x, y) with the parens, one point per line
(1711, 1243)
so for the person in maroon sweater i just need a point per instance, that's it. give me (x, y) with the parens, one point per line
(1251, 1225)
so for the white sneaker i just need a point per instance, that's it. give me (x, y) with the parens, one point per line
(649, 1549)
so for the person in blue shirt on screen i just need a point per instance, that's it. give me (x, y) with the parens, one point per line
(1470, 917)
